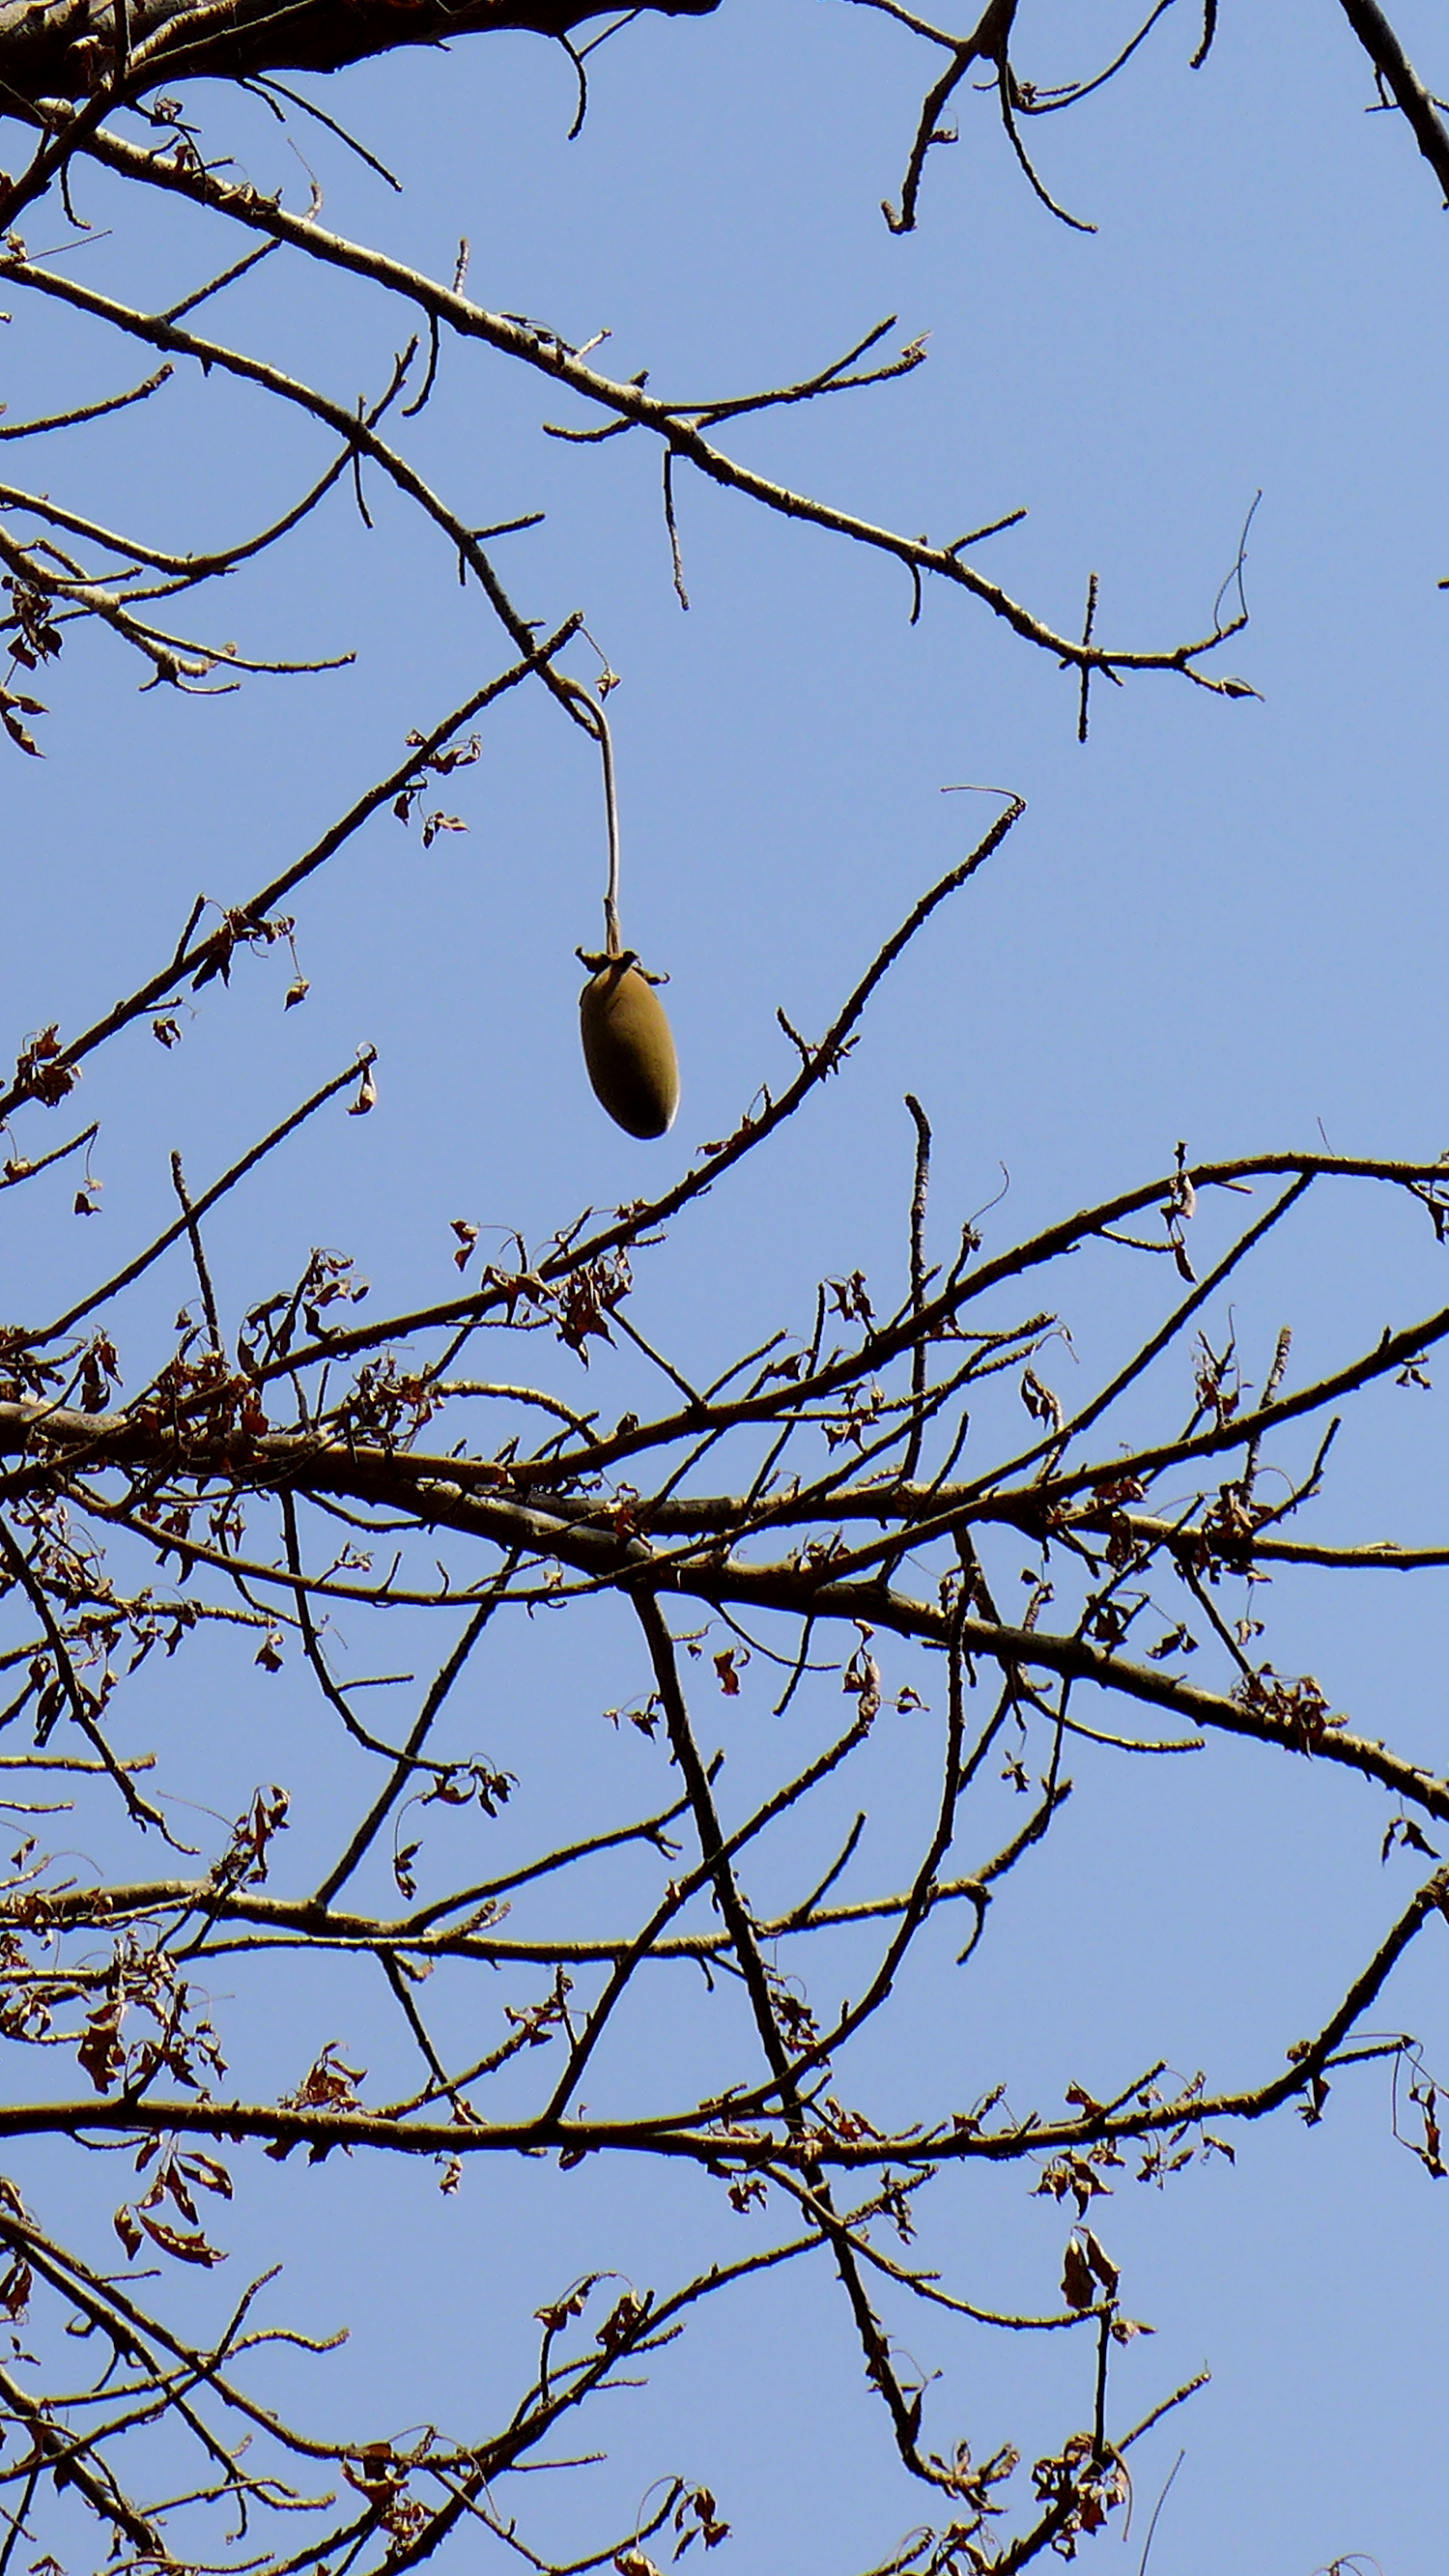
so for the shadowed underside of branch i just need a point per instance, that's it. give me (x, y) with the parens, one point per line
(54, 51)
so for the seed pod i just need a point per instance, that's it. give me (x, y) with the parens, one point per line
(628, 1046)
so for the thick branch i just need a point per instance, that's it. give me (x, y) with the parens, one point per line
(45, 51)
(1397, 74)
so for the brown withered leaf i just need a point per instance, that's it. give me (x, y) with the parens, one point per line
(250, 1414)
(573, 2303)
(209, 2174)
(1403, 1830)
(849, 1299)
(100, 2051)
(438, 822)
(1300, 1707)
(1072, 2176)
(217, 954)
(457, 755)
(861, 1679)
(696, 2517)
(622, 2321)
(38, 1071)
(1104, 2268)
(1039, 1400)
(100, 1371)
(244, 1863)
(377, 2474)
(31, 623)
(12, 707)
(327, 2086)
(1176, 1642)
(747, 2191)
(467, 1781)
(1077, 2285)
(366, 1094)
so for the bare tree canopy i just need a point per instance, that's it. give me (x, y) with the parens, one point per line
(391, 1509)
(83, 47)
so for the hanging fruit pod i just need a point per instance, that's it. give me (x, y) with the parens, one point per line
(628, 1044)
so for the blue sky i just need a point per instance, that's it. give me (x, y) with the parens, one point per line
(1219, 921)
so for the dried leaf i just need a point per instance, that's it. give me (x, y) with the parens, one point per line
(366, 1093)
(1078, 2289)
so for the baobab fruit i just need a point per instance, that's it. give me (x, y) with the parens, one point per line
(628, 1045)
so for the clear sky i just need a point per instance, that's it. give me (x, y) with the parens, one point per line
(1221, 922)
